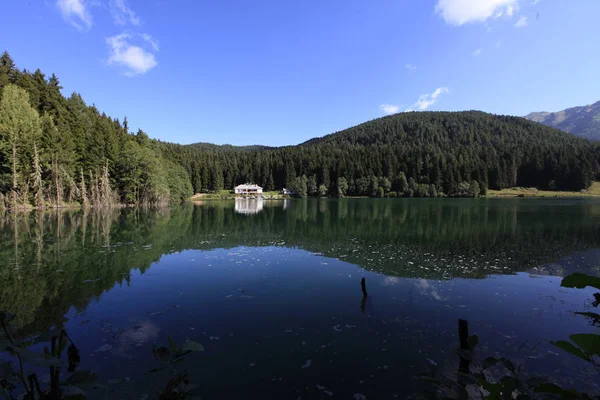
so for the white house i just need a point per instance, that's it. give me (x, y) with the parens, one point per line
(248, 188)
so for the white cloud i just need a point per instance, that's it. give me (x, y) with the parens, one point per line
(427, 289)
(390, 108)
(410, 67)
(499, 43)
(391, 281)
(122, 14)
(460, 12)
(133, 57)
(427, 100)
(76, 13)
(150, 40)
(477, 52)
(522, 22)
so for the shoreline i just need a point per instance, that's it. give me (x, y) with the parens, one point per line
(592, 191)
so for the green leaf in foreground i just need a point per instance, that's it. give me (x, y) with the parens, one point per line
(551, 388)
(192, 346)
(588, 342)
(580, 281)
(473, 340)
(490, 362)
(172, 345)
(569, 348)
(595, 317)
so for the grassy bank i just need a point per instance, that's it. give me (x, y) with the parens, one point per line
(593, 191)
(229, 195)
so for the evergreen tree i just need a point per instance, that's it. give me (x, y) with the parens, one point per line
(8, 72)
(322, 190)
(19, 128)
(311, 185)
(342, 187)
(270, 182)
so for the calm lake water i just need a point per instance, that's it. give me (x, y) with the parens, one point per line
(272, 290)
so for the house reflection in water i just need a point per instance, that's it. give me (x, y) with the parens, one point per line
(248, 206)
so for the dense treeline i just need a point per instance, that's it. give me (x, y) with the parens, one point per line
(412, 154)
(57, 151)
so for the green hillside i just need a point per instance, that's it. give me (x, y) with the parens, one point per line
(412, 154)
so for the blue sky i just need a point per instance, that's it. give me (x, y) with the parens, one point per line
(281, 72)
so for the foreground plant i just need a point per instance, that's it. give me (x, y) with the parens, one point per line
(178, 385)
(72, 387)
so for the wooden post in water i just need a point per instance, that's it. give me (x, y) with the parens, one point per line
(463, 336)
(363, 285)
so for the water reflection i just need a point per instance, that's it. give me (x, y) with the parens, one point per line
(268, 293)
(54, 260)
(248, 205)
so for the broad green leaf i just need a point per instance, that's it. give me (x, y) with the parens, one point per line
(508, 384)
(490, 362)
(493, 388)
(192, 346)
(535, 381)
(473, 340)
(580, 281)
(595, 317)
(569, 348)
(172, 345)
(588, 342)
(549, 388)
(162, 353)
(555, 389)
(508, 364)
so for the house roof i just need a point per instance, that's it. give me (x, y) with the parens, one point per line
(248, 186)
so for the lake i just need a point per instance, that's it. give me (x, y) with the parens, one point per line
(271, 290)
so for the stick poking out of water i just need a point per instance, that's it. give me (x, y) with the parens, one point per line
(363, 285)
(463, 336)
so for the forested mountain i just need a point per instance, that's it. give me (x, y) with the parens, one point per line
(580, 121)
(56, 151)
(411, 154)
